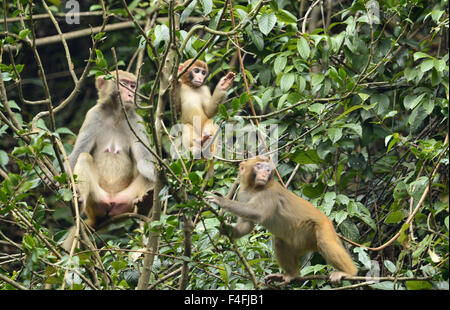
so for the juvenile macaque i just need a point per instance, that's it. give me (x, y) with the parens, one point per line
(198, 107)
(114, 170)
(298, 227)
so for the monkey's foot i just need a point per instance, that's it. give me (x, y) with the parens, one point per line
(279, 277)
(205, 137)
(336, 276)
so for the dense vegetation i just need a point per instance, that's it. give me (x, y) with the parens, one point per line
(359, 91)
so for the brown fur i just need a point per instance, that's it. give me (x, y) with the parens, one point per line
(186, 78)
(298, 227)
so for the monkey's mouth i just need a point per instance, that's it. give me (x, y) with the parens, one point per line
(128, 101)
(197, 83)
(261, 181)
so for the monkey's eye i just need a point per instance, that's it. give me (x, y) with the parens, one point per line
(204, 72)
(132, 85)
(196, 70)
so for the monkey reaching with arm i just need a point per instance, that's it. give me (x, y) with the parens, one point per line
(197, 103)
(298, 227)
(114, 169)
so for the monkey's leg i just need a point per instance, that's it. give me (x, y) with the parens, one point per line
(94, 199)
(334, 252)
(90, 194)
(125, 200)
(208, 132)
(289, 260)
(192, 140)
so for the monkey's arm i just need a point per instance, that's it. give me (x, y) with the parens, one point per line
(220, 93)
(86, 137)
(143, 157)
(245, 210)
(211, 107)
(242, 228)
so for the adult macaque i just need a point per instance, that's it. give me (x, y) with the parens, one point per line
(198, 107)
(115, 170)
(298, 227)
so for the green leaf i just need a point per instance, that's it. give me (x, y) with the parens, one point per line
(419, 55)
(187, 11)
(390, 266)
(286, 82)
(28, 242)
(418, 285)
(416, 188)
(384, 285)
(195, 177)
(303, 48)
(355, 127)
(64, 130)
(349, 110)
(363, 96)
(427, 65)
(316, 108)
(23, 33)
(342, 199)
(67, 194)
(349, 230)
(279, 64)
(4, 159)
(394, 217)
(317, 78)
(161, 34)
(411, 101)
(266, 22)
(306, 157)
(410, 74)
(55, 2)
(131, 276)
(340, 216)
(335, 134)
(207, 6)
(363, 257)
(284, 16)
(439, 64)
(119, 265)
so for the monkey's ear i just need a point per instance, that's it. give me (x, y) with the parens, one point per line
(242, 168)
(99, 82)
(264, 158)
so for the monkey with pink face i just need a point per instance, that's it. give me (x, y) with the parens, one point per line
(114, 169)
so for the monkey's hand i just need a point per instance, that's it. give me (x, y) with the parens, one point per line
(283, 279)
(214, 199)
(336, 276)
(226, 229)
(226, 81)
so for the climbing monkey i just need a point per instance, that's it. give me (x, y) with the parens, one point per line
(298, 227)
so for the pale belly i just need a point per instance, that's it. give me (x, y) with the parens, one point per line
(190, 111)
(115, 170)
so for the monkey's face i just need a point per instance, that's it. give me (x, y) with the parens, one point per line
(197, 76)
(262, 172)
(127, 90)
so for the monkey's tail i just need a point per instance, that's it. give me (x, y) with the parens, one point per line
(333, 251)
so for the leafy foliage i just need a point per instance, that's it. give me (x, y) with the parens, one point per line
(360, 98)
